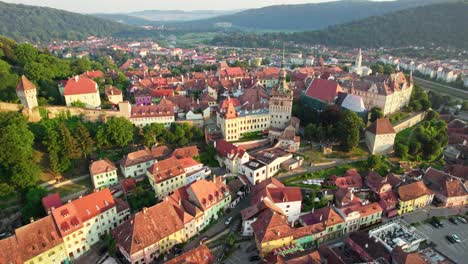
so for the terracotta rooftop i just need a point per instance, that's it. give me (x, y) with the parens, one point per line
(147, 227)
(10, 253)
(412, 191)
(161, 152)
(128, 184)
(191, 151)
(70, 217)
(326, 215)
(137, 157)
(199, 255)
(51, 201)
(37, 237)
(25, 84)
(228, 150)
(381, 126)
(166, 169)
(271, 226)
(80, 85)
(208, 193)
(101, 166)
(324, 90)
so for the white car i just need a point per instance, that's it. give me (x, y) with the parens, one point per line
(228, 221)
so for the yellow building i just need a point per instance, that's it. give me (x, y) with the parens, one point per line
(236, 122)
(413, 196)
(84, 221)
(39, 242)
(166, 176)
(150, 233)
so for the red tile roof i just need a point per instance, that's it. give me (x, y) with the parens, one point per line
(161, 152)
(10, 251)
(271, 226)
(148, 227)
(189, 162)
(325, 215)
(186, 152)
(207, 193)
(24, 84)
(51, 201)
(101, 166)
(136, 157)
(37, 237)
(80, 85)
(166, 169)
(324, 90)
(381, 126)
(413, 191)
(128, 184)
(199, 255)
(228, 150)
(70, 217)
(93, 74)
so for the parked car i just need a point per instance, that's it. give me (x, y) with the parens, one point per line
(254, 258)
(203, 240)
(454, 238)
(453, 220)
(228, 221)
(436, 224)
(462, 219)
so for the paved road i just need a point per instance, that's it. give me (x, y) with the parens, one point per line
(437, 87)
(219, 226)
(431, 211)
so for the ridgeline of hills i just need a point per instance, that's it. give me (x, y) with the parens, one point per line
(439, 24)
(305, 17)
(43, 24)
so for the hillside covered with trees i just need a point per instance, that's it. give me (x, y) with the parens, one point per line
(440, 24)
(41, 24)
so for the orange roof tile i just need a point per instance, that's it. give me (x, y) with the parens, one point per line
(191, 151)
(10, 251)
(199, 255)
(166, 169)
(413, 190)
(101, 166)
(25, 84)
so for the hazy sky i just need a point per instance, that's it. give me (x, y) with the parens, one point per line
(123, 6)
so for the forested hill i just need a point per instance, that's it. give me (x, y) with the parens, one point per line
(42, 24)
(305, 17)
(441, 24)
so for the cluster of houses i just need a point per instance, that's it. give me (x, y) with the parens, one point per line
(281, 228)
(67, 232)
(448, 71)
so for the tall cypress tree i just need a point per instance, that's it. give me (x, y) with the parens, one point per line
(85, 142)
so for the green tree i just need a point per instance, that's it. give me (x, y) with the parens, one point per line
(17, 167)
(401, 150)
(152, 134)
(351, 126)
(69, 143)
(32, 204)
(119, 131)
(377, 68)
(84, 139)
(375, 114)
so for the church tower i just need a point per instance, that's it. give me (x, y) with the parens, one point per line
(281, 102)
(27, 93)
(358, 62)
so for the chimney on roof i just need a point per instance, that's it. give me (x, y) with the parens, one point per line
(77, 78)
(145, 209)
(31, 219)
(321, 216)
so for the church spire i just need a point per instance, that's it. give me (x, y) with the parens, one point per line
(358, 62)
(282, 83)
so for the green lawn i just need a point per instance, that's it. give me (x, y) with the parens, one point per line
(73, 188)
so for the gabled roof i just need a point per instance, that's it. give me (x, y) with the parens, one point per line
(199, 255)
(148, 227)
(325, 215)
(10, 251)
(101, 166)
(381, 126)
(191, 151)
(51, 201)
(37, 237)
(413, 190)
(271, 226)
(80, 85)
(166, 169)
(136, 157)
(228, 150)
(70, 217)
(161, 152)
(324, 90)
(207, 193)
(25, 84)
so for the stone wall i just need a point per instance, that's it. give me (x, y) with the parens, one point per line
(409, 121)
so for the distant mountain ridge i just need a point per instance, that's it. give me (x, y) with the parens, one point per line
(439, 24)
(308, 16)
(43, 24)
(178, 15)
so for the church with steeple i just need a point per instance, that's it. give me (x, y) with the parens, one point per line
(358, 68)
(281, 103)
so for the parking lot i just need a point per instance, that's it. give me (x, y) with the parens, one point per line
(458, 252)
